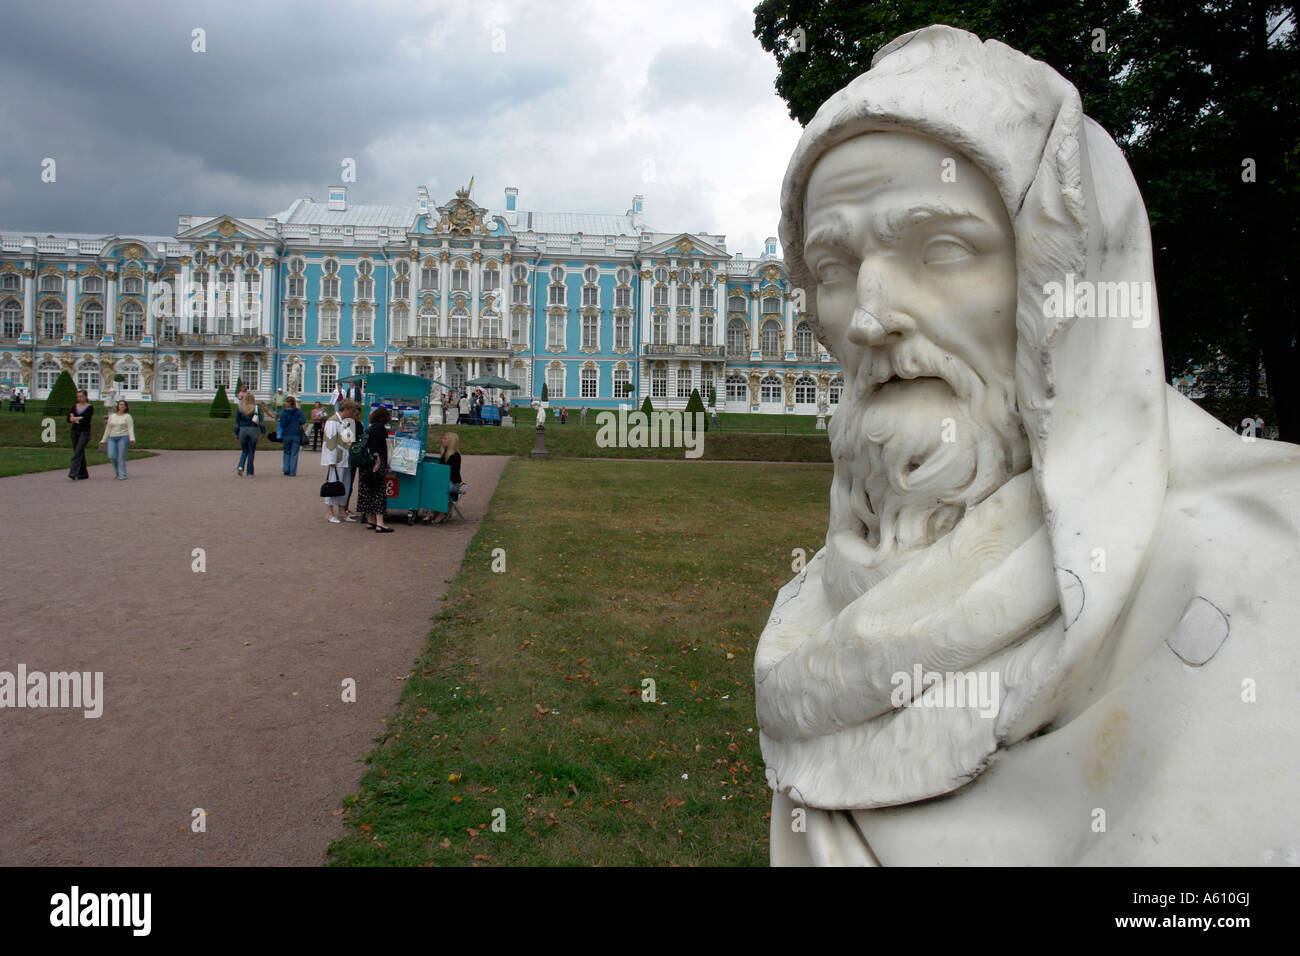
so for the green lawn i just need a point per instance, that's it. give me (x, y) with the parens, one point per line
(186, 425)
(22, 461)
(528, 696)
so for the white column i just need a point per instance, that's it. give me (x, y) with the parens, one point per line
(210, 320)
(646, 298)
(110, 306)
(29, 303)
(789, 325)
(70, 319)
(695, 310)
(181, 311)
(672, 308)
(268, 292)
(753, 317)
(149, 330)
(235, 298)
(475, 284)
(444, 295)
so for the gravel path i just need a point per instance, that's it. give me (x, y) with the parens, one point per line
(222, 689)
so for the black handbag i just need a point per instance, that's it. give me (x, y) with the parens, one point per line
(332, 489)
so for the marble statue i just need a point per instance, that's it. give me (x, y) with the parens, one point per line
(541, 413)
(1054, 618)
(295, 378)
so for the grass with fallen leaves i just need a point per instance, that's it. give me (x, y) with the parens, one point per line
(528, 732)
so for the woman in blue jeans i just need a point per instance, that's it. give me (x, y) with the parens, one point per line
(119, 434)
(290, 424)
(249, 424)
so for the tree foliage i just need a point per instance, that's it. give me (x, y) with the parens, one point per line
(1190, 91)
(696, 404)
(63, 395)
(220, 404)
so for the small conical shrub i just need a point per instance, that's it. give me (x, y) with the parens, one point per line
(62, 397)
(545, 395)
(694, 405)
(646, 406)
(220, 404)
(713, 397)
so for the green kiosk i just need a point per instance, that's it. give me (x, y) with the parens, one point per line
(414, 480)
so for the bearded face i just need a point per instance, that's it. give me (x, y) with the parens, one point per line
(914, 258)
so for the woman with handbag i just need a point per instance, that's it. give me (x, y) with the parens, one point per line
(340, 432)
(371, 499)
(249, 424)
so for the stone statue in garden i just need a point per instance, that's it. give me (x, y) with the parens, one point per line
(1054, 621)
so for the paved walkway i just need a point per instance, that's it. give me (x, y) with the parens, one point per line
(222, 690)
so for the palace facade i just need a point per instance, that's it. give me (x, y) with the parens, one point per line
(587, 304)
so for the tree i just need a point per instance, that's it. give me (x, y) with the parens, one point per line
(61, 398)
(544, 398)
(220, 404)
(647, 406)
(239, 384)
(695, 405)
(713, 397)
(1191, 91)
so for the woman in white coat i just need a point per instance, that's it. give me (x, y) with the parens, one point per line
(340, 432)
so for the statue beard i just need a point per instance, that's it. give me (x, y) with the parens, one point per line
(922, 439)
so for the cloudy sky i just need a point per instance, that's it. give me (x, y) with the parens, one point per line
(579, 103)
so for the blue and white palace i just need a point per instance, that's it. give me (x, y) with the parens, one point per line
(583, 303)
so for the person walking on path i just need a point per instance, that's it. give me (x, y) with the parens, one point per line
(248, 426)
(340, 432)
(318, 417)
(118, 431)
(290, 425)
(371, 499)
(82, 412)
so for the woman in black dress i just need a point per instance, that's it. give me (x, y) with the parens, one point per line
(371, 499)
(80, 416)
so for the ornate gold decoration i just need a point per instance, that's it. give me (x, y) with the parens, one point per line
(771, 273)
(226, 228)
(444, 255)
(186, 260)
(789, 388)
(684, 246)
(754, 379)
(476, 256)
(133, 251)
(645, 274)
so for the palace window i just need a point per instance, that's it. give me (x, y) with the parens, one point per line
(130, 377)
(590, 274)
(706, 297)
(166, 331)
(590, 331)
(294, 322)
(13, 319)
(329, 282)
(684, 297)
(518, 326)
(622, 377)
(519, 294)
(52, 321)
(46, 373)
(225, 259)
(683, 383)
(428, 322)
(737, 303)
(557, 273)
(556, 295)
(52, 283)
(659, 383)
(520, 272)
(398, 320)
(490, 323)
(622, 298)
(251, 261)
(365, 288)
(706, 384)
(459, 323)
(661, 275)
(168, 378)
(327, 374)
(92, 321)
(706, 330)
(196, 374)
(132, 322)
(87, 377)
(221, 374)
(555, 331)
(683, 330)
(491, 277)
(519, 375)
(249, 372)
(769, 389)
(659, 296)
(770, 339)
(361, 368)
(363, 324)
(460, 278)
(401, 288)
(11, 282)
(736, 336)
(132, 285)
(772, 305)
(803, 341)
(707, 278)
(295, 287)
(659, 330)
(590, 296)
(805, 391)
(588, 383)
(554, 382)
(365, 267)
(92, 284)
(329, 323)
(622, 331)
(296, 264)
(429, 275)
(836, 390)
